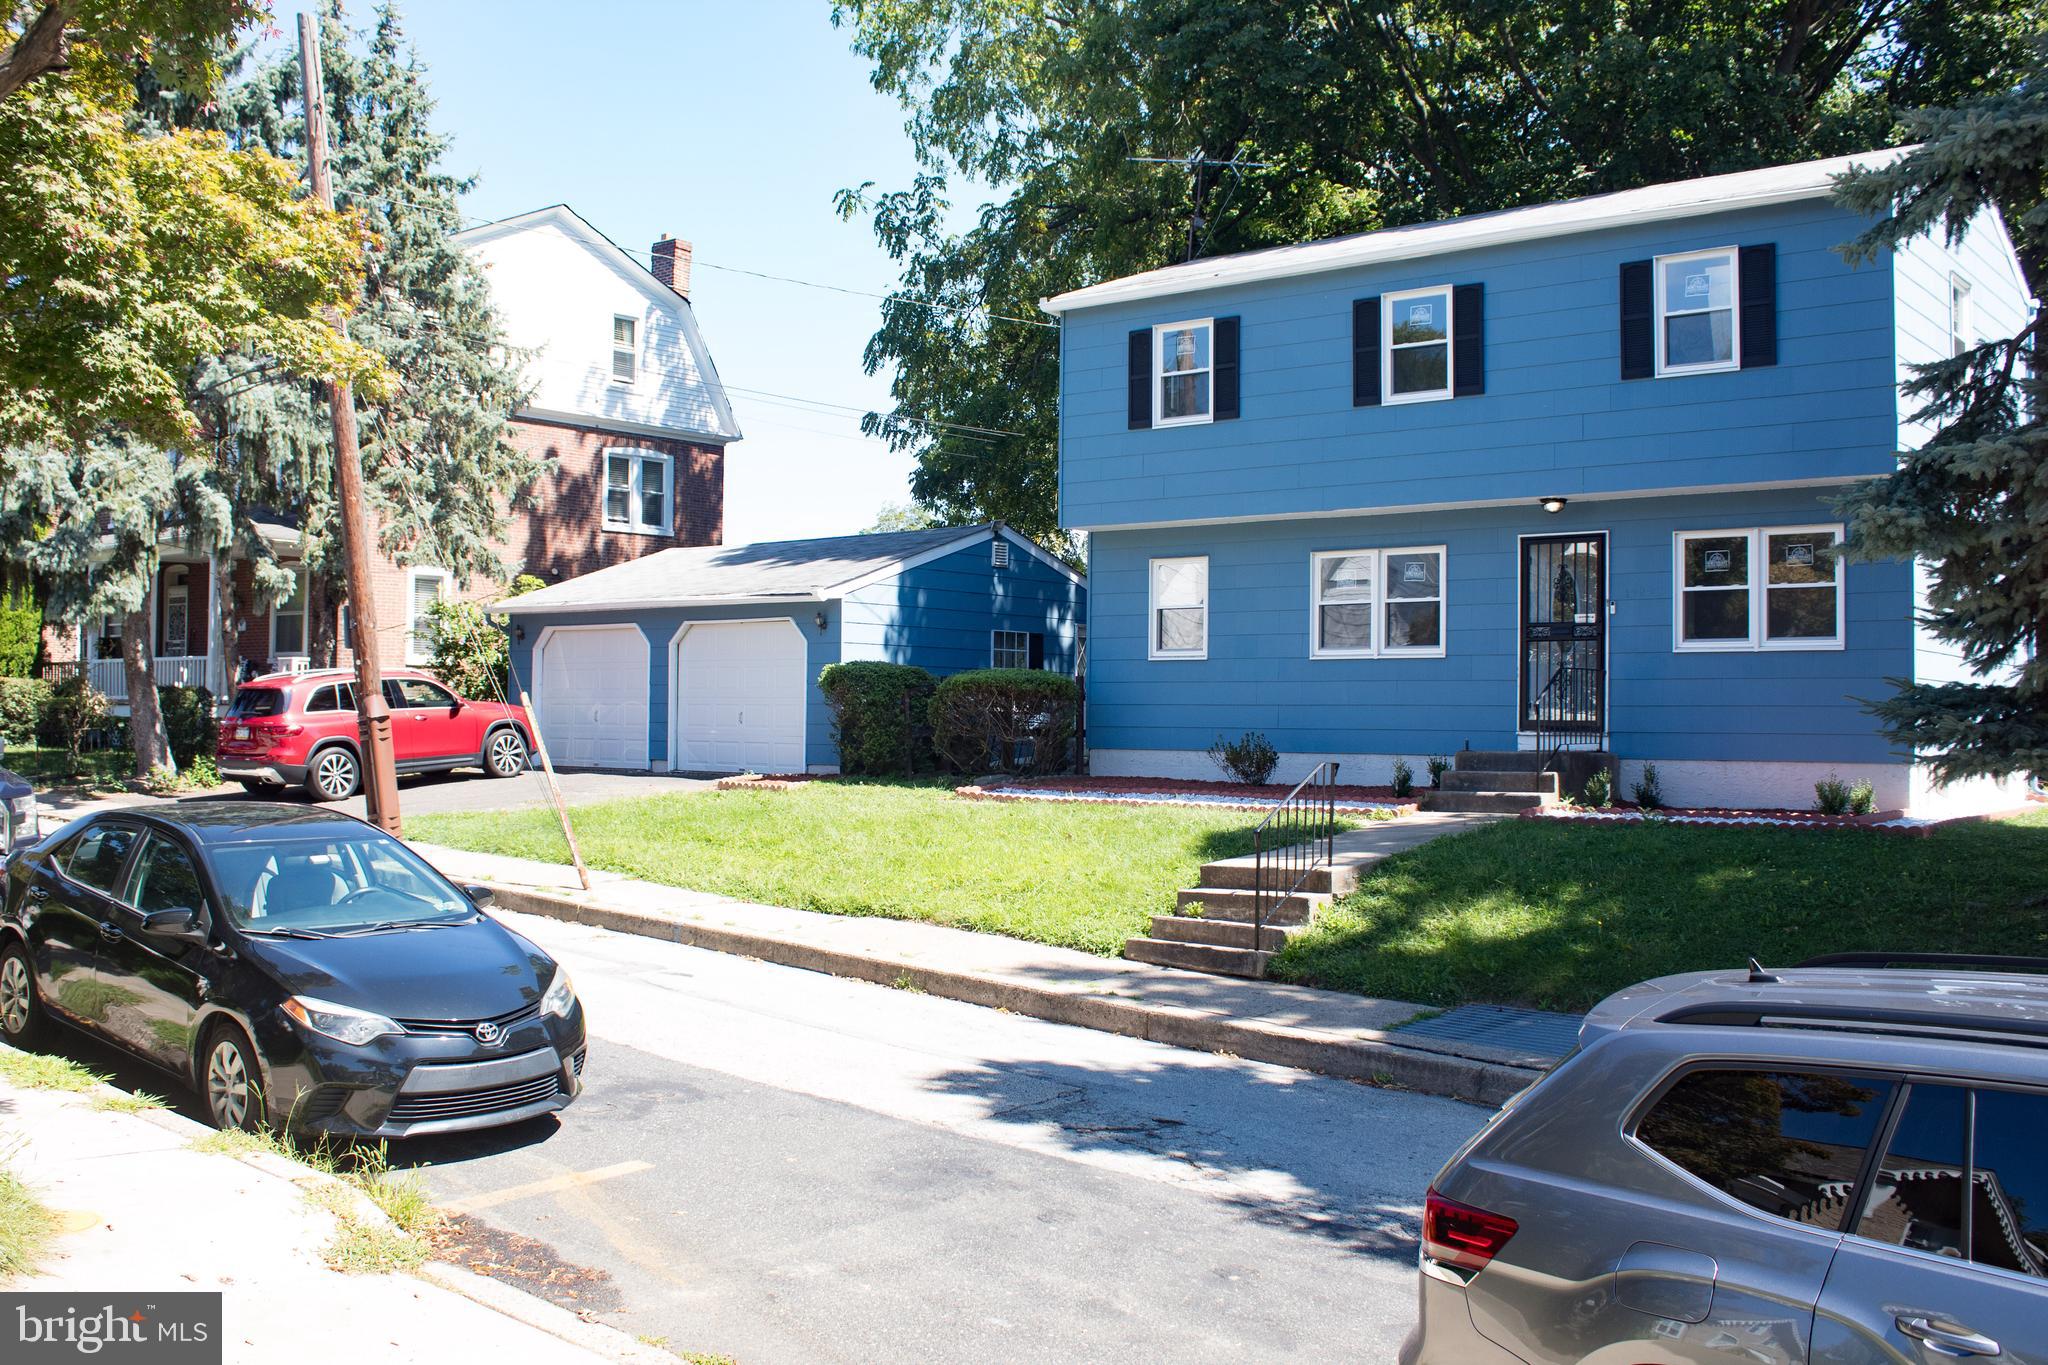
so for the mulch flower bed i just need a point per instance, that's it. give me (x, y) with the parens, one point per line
(1737, 817)
(1172, 791)
(768, 782)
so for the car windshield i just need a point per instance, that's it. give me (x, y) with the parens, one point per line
(257, 701)
(345, 883)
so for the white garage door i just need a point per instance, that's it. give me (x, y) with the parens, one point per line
(592, 702)
(740, 698)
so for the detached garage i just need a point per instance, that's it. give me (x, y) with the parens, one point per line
(707, 659)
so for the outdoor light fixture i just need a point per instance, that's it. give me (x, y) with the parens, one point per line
(519, 633)
(1553, 505)
(819, 620)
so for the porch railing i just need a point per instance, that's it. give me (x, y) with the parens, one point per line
(1296, 837)
(1567, 711)
(109, 677)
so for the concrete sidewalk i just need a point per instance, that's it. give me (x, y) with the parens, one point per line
(142, 1211)
(1325, 1031)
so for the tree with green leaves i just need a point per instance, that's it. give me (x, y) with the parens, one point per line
(1972, 502)
(1360, 117)
(181, 39)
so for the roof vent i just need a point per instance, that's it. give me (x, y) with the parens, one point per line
(1000, 556)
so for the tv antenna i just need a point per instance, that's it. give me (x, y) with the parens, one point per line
(1201, 171)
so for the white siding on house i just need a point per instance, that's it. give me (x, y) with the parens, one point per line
(558, 285)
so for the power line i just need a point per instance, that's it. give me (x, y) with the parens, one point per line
(914, 301)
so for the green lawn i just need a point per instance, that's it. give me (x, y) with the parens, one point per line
(103, 769)
(1558, 916)
(1077, 876)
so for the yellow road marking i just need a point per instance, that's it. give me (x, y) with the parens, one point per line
(552, 1185)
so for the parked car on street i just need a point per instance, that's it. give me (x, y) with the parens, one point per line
(300, 730)
(1838, 1162)
(18, 812)
(299, 968)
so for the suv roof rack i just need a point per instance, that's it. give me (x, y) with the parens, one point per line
(1852, 1019)
(2038, 965)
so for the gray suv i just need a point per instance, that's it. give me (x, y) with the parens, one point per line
(17, 810)
(1843, 1161)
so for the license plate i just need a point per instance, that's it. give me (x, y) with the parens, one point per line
(241, 732)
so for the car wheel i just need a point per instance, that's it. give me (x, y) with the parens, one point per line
(231, 1082)
(21, 1014)
(505, 754)
(334, 776)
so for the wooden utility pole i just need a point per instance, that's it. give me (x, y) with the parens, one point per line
(380, 774)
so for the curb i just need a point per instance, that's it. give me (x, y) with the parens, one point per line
(531, 1310)
(1366, 1057)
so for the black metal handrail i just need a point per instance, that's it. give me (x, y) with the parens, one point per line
(1296, 837)
(1561, 707)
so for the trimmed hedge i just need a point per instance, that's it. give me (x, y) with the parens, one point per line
(878, 715)
(188, 721)
(23, 703)
(1005, 720)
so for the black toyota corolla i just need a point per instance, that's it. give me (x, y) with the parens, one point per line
(297, 967)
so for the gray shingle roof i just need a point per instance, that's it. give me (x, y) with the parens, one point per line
(795, 569)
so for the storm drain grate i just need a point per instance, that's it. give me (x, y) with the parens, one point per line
(1539, 1032)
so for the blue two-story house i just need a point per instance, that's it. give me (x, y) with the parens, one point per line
(1566, 469)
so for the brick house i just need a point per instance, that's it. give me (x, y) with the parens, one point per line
(625, 409)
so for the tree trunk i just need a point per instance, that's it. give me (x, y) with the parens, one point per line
(320, 613)
(145, 717)
(224, 594)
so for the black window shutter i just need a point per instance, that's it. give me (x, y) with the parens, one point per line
(1638, 322)
(1141, 378)
(1468, 339)
(1758, 277)
(1224, 379)
(1365, 353)
(1037, 655)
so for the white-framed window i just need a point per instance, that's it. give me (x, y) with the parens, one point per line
(1179, 615)
(1011, 649)
(288, 621)
(177, 613)
(1959, 339)
(1696, 297)
(423, 588)
(1768, 587)
(625, 348)
(1181, 360)
(1366, 604)
(636, 492)
(1415, 345)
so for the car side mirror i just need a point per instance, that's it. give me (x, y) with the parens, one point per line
(179, 923)
(3, 746)
(479, 894)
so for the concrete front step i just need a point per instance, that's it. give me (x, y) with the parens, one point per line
(1240, 875)
(1496, 760)
(1499, 780)
(1224, 933)
(1198, 957)
(1219, 902)
(1486, 802)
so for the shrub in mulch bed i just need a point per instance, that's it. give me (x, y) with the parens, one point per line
(1159, 791)
(1737, 817)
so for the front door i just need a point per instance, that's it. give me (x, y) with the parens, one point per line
(1564, 635)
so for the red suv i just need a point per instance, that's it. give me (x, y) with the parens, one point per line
(299, 729)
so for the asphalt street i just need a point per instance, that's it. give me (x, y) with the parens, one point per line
(783, 1166)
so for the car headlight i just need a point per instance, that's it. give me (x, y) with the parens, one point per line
(561, 996)
(339, 1022)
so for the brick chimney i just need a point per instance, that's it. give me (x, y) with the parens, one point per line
(672, 264)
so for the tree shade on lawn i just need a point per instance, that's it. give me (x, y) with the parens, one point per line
(1533, 913)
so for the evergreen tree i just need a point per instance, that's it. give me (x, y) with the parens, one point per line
(1972, 502)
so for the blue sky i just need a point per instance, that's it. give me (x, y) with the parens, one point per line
(727, 124)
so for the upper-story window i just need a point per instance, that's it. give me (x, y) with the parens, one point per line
(1774, 587)
(636, 492)
(1417, 344)
(1180, 608)
(1958, 315)
(1181, 363)
(1696, 312)
(625, 348)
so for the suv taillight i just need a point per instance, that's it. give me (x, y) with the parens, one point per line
(1460, 1235)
